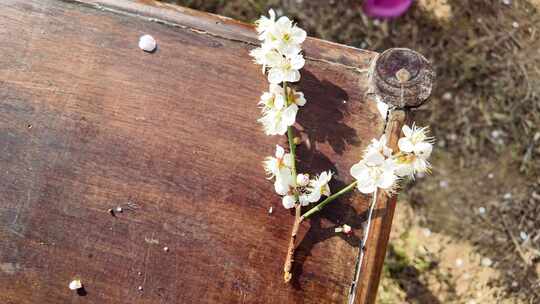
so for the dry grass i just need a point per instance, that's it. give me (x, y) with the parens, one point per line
(485, 112)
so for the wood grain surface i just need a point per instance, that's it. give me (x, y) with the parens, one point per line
(89, 122)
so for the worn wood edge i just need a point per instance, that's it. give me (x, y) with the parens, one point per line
(227, 28)
(377, 242)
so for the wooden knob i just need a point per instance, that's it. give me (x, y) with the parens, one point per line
(402, 77)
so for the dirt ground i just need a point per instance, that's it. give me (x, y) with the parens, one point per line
(469, 233)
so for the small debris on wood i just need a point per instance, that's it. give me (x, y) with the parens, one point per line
(147, 43)
(166, 249)
(140, 288)
(270, 210)
(151, 241)
(129, 206)
(139, 273)
(75, 284)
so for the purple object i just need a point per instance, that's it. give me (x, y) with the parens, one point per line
(386, 8)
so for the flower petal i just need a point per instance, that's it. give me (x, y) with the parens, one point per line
(423, 149)
(357, 170)
(275, 75)
(407, 131)
(405, 145)
(288, 201)
(281, 186)
(289, 115)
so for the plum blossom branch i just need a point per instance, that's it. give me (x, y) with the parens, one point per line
(379, 168)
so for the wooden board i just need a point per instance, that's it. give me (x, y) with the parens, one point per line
(89, 122)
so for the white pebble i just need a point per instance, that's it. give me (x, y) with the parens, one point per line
(426, 231)
(443, 184)
(490, 176)
(482, 210)
(507, 196)
(459, 262)
(147, 43)
(486, 262)
(447, 96)
(496, 133)
(507, 2)
(75, 284)
(515, 284)
(523, 235)
(119, 209)
(515, 24)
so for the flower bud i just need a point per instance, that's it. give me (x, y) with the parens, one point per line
(347, 229)
(302, 180)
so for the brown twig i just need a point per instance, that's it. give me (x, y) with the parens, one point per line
(287, 268)
(519, 250)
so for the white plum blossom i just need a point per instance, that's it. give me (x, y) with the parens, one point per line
(415, 149)
(274, 166)
(309, 191)
(379, 145)
(319, 186)
(265, 24)
(279, 167)
(280, 50)
(283, 35)
(374, 171)
(284, 68)
(276, 120)
(279, 112)
(274, 98)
